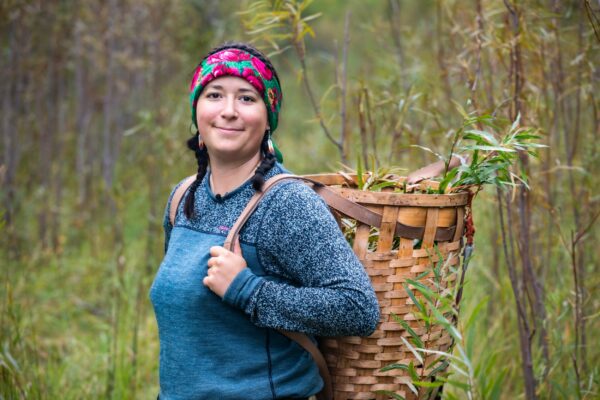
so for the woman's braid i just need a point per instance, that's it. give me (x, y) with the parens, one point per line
(202, 159)
(268, 161)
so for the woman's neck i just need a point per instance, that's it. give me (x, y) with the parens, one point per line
(225, 177)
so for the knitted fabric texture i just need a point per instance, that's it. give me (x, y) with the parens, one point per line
(302, 276)
(297, 239)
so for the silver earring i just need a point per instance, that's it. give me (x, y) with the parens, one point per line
(270, 142)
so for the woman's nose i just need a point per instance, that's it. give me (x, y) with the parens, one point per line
(229, 110)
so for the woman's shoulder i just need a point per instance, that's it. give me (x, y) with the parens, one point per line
(176, 196)
(294, 188)
(184, 183)
(181, 187)
(293, 198)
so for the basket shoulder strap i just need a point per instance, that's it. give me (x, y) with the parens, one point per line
(304, 341)
(300, 338)
(177, 196)
(233, 235)
(343, 205)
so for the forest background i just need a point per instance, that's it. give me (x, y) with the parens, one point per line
(94, 121)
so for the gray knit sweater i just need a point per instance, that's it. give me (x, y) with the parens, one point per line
(302, 276)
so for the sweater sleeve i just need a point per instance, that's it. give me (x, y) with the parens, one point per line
(331, 294)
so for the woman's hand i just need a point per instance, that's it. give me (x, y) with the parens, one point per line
(223, 267)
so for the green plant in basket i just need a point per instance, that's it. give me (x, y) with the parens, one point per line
(493, 148)
(376, 178)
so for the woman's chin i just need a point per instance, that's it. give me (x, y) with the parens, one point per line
(231, 152)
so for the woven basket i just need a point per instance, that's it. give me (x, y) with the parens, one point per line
(436, 219)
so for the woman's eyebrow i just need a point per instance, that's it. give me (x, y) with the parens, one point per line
(246, 90)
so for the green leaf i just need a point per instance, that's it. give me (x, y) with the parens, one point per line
(475, 158)
(412, 333)
(464, 386)
(487, 137)
(515, 124)
(379, 186)
(461, 110)
(423, 289)
(396, 396)
(496, 389)
(419, 305)
(440, 368)
(488, 148)
(412, 350)
(359, 172)
(394, 366)
(526, 136)
(413, 372)
(474, 314)
(439, 156)
(447, 179)
(427, 384)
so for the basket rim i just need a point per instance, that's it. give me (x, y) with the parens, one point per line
(340, 184)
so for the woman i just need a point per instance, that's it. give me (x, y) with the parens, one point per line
(218, 311)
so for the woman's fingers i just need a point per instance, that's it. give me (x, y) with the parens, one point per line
(223, 266)
(214, 261)
(218, 251)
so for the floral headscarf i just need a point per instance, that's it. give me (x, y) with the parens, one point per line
(236, 62)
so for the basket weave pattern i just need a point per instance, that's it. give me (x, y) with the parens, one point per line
(355, 362)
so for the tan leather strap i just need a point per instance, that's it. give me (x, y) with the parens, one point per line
(178, 195)
(327, 392)
(234, 232)
(300, 338)
(372, 218)
(303, 340)
(335, 201)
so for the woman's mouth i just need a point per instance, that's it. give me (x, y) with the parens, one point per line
(226, 129)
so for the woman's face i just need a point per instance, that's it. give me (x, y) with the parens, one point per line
(231, 118)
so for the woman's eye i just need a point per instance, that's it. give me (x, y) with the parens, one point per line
(213, 95)
(247, 99)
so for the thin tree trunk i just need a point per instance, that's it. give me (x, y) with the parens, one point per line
(518, 293)
(47, 138)
(524, 211)
(109, 98)
(394, 16)
(344, 119)
(489, 84)
(10, 74)
(57, 180)
(107, 174)
(362, 126)
(441, 56)
(82, 115)
(580, 291)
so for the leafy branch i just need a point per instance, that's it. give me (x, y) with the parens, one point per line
(433, 317)
(493, 151)
(283, 21)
